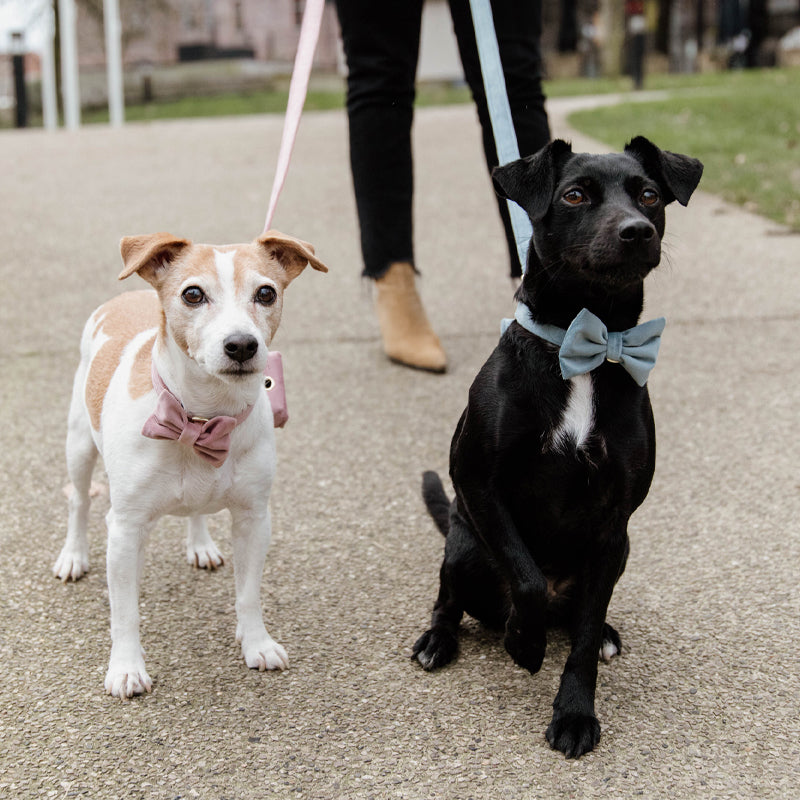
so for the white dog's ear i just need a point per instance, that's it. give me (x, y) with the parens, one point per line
(292, 254)
(150, 255)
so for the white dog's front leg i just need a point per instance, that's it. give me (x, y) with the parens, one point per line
(201, 552)
(251, 536)
(126, 674)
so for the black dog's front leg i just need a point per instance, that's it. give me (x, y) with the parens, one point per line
(526, 631)
(439, 644)
(574, 728)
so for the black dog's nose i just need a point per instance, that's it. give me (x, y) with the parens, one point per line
(240, 347)
(636, 231)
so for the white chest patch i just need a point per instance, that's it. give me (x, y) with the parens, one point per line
(577, 419)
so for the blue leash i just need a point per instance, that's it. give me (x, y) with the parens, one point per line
(505, 137)
(593, 347)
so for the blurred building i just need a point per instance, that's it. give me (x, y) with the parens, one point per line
(161, 32)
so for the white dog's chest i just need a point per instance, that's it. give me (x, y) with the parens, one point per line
(197, 489)
(182, 485)
(167, 477)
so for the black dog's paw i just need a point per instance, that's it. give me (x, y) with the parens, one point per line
(611, 645)
(525, 646)
(435, 648)
(573, 734)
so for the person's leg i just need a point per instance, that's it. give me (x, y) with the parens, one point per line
(381, 43)
(518, 27)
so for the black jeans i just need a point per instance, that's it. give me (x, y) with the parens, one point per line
(381, 43)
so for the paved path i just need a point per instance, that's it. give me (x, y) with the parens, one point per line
(704, 701)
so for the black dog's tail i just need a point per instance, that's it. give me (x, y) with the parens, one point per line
(436, 500)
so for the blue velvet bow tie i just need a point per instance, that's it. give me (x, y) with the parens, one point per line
(587, 343)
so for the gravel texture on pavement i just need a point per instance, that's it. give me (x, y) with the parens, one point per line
(704, 701)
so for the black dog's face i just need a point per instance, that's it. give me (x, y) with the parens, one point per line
(599, 217)
(605, 221)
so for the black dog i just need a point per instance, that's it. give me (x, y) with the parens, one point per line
(547, 471)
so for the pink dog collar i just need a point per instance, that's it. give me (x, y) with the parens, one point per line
(210, 438)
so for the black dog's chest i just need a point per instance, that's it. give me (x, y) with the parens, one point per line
(593, 472)
(569, 458)
(568, 497)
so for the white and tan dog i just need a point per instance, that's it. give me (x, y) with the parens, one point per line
(202, 339)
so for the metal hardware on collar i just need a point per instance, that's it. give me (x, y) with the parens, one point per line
(198, 419)
(269, 384)
(612, 360)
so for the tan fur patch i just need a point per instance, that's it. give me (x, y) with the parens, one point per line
(200, 265)
(141, 381)
(120, 319)
(253, 257)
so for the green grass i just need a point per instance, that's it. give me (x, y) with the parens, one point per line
(431, 94)
(572, 87)
(744, 126)
(428, 94)
(263, 102)
(223, 105)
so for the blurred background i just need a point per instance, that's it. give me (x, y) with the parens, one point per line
(720, 78)
(239, 52)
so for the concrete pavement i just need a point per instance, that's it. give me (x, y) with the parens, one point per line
(703, 703)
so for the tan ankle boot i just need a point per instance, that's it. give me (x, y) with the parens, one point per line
(407, 335)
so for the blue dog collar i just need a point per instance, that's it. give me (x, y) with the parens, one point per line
(587, 343)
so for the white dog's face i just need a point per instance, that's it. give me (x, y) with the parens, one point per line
(222, 304)
(222, 309)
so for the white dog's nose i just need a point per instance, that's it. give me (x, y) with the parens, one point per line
(240, 347)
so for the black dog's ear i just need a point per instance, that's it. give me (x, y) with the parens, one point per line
(678, 175)
(530, 181)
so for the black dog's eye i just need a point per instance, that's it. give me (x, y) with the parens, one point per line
(649, 197)
(193, 295)
(575, 197)
(266, 295)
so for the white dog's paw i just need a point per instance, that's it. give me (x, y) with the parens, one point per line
(71, 564)
(204, 556)
(264, 653)
(127, 679)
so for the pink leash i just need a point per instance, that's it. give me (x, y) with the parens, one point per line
(298, 88)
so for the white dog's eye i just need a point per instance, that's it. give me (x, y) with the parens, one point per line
(193, 295)
(266, 295)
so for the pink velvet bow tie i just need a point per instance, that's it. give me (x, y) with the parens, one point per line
(210, 438)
